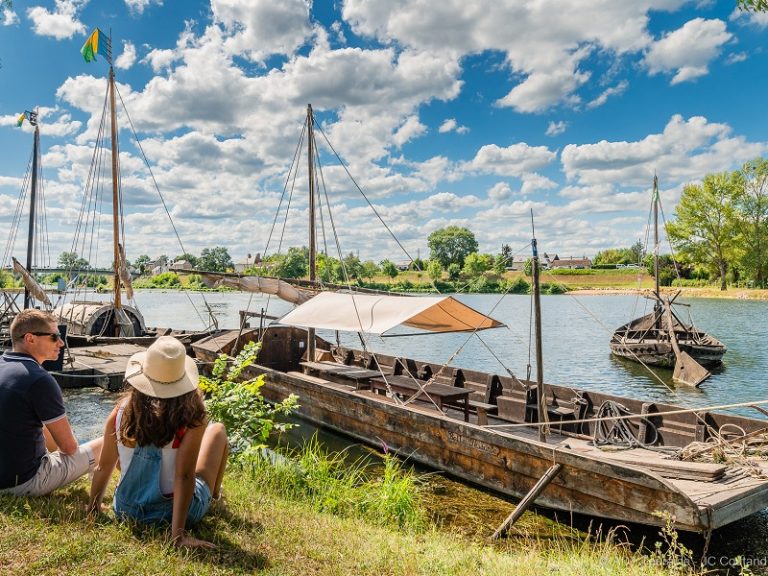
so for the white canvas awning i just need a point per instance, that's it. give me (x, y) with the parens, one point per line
(376, 314)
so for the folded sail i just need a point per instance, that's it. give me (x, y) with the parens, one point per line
(34, 288)
(279, 288)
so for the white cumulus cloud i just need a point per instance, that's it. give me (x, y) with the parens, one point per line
(688, 50)
(555, 128)
(9, 17)
(61, 23)
(127, 58)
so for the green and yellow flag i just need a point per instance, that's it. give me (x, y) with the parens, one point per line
(97, 43)
(27, 115)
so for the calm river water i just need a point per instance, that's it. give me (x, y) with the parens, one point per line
(576, 331)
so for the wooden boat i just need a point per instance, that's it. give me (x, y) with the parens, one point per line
(661, 338)
(515, 436)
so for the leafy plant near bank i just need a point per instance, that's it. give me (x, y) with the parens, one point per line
(239, 405)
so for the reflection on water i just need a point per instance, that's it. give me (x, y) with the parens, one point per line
(576, 333)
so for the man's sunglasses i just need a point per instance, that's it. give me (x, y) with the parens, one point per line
(55, 336)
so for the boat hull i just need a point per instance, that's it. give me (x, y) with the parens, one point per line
(662, 355)
(508, 462)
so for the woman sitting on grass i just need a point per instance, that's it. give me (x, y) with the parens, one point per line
(171, 460)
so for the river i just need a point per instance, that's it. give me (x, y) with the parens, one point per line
(576, 331)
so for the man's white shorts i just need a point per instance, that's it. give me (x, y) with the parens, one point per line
(56, 470)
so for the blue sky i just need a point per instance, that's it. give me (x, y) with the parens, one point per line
(450, 112)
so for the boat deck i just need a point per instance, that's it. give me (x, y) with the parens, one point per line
(102, 365)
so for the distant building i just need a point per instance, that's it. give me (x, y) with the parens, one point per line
(159, 266)
(572, 263)
(241, 267)
(182, 265)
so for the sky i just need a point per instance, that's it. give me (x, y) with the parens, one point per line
(472, 114)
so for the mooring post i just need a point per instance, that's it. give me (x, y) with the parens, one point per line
(529, 498)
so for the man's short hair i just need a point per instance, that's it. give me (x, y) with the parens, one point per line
(30, 320)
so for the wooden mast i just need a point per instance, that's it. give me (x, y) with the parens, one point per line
(32, 206)
(115, 191)
(656, 237)
(540, 400)
(312, 231)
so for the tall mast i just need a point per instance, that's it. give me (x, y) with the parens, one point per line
(115, 191)
(32, 206)
(312, 232)
(656, 235)
(540, 400)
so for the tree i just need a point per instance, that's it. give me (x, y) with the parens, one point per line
(71, 261)
(294, 264)
(389, 269)
(352, 266)
(369, 270)
(215, 260)
(753, 220)
(705, 225)
(454, 271)
(434, 270)
(451, 245)
(752, 5)
(141, 263)
(328, 268)
(475, 264)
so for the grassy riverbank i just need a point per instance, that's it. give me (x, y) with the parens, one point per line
(268, 529)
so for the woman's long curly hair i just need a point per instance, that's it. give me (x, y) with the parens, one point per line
(148, 420)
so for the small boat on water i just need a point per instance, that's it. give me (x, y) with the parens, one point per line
(576, 451)
(661, 338)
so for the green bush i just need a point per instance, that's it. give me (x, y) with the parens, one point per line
(239, 405)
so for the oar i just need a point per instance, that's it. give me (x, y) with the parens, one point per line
(687, 370)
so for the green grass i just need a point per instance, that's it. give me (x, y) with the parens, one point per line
(280, 520)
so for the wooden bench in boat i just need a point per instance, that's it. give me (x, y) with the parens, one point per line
(483, 394)
(323, 381)
(440, 394)
(360, 377)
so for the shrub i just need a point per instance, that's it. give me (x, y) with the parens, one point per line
(239, 405)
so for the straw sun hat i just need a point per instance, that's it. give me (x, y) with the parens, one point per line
(163, 371)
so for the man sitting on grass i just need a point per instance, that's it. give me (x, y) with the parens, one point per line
(38, 452)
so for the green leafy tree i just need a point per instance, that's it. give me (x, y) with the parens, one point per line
(389, 269)
(706, 223)
(141, 263)
(475, 264)
(369, 270)
(752, 5)
(329, 268)
(451, 245)
(753, 220)
(215, 260)
(669, 270)
(294, 264)
(71, 261)
(352, 266)
(417, 265)
(434, 270)
(454, 271)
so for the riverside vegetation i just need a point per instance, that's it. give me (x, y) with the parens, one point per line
(308, 511)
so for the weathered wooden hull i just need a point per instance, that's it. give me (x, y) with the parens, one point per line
(509, 462)
(661, 353)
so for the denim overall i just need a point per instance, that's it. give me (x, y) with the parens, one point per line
(138, 494)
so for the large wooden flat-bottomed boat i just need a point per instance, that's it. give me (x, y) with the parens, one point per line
(500, 446)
